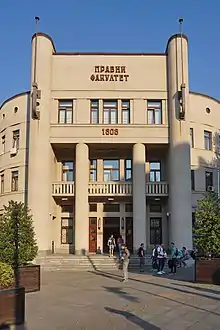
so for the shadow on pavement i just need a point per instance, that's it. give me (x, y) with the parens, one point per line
(121, 293)
(183, 274)
(118, 277)
(107, 275)
(133, 318)
(199, 288)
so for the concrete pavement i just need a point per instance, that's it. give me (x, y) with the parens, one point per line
(99, 301)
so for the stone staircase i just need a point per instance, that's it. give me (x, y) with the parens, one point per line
(64, 263)
(103, 262)
(94, 262)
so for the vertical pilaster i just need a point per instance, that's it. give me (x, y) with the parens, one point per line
(139, 195)
(81, 199)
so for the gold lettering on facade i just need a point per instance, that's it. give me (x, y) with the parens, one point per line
(109, 73)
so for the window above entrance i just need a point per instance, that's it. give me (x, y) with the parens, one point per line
(67, 171)
(111, 169)
(155, 171)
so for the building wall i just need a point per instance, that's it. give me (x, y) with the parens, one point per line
(62, 76)
(14, 116)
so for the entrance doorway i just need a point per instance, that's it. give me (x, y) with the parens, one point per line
(129, 233)
(92, 234)
(111, 226)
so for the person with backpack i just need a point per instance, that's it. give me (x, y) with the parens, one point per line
(173, 259)
(111, 246)
(141, 255)
(125, 259)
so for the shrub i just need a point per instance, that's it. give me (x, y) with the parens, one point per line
(207, 226)
(6, 276)
(17, 238)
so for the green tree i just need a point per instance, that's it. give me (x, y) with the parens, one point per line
(18, 245)
(207, 226)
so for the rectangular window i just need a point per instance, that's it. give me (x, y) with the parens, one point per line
(155, 172)
(208, 180)
(154, 112)
(94, 111)
(111, 170)
(128, 169)
(67, 171)
(192, 179)
(2, 183)
(208, 140)
(125, 111)
(155, 207)
(66, 230)
(65, 112)
(155, 231)
(3, 144)
(111, 207)
(92, 207)
(14, 181)
(128, 208)
(16, 136)
(191, 138)
(93, 170)
(110, 111)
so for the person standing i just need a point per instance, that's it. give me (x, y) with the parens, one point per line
(141, 255)
(174, 255)
(185, 256)
(111, 246)
(161, 259)
(125, 259)
(154, 258)
(120, 241)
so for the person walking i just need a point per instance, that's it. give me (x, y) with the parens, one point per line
(161, 259)
(125, 259)
(173, 259)
(141, 255)
(111, 246)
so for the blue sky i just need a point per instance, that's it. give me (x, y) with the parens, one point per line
(110, 25)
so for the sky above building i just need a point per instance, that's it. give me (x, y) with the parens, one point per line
(110, 26)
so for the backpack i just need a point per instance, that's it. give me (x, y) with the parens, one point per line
(193, 255)
(176, 253)
(155, 253)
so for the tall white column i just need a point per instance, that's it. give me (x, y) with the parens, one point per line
(139, 195)
(40, 151)
(180, 200)
(81, 199)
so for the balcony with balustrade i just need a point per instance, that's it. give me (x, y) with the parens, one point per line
(118, 188)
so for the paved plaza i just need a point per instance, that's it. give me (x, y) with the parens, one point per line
(99, 301)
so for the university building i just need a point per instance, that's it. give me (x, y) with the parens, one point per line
(109, 143)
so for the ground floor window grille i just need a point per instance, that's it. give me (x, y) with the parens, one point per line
(155, 231)
(67, 231)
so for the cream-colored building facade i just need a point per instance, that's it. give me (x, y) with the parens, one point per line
(109, 143)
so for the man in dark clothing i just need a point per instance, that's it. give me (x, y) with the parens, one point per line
(141, 255)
